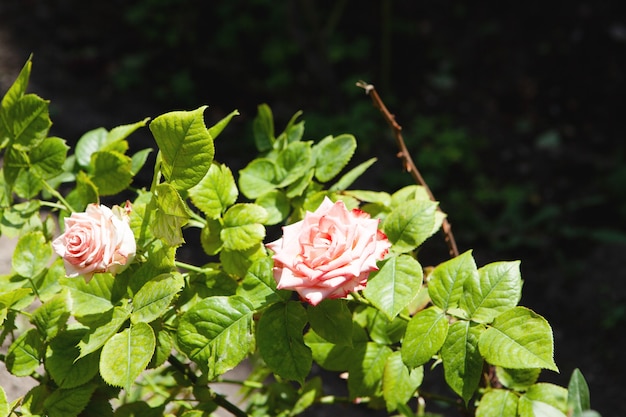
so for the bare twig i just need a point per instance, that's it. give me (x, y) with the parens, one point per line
(407, 161)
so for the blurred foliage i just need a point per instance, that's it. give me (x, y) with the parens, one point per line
(531, 87)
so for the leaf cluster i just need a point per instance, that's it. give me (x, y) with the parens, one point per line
(153, 339)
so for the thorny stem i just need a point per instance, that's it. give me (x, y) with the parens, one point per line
(220, 400)
(407, 161)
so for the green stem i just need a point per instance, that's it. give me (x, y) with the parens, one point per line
(220, 400)
(58, 196)
(156, 177)
(52, 204)
(190, 267)
(362, 300)
(248, 384)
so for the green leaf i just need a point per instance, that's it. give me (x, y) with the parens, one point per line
(349, 177)
(335, 357)
(30, 121)
(263, 128)
(171, 215)
(69, 402)
(445, 286)
(517, 379)
(25, 353)
(410, 224)
(13, 94)
(462, 363)
(84, 193)
(66, 367)
(399, 384)
(395, 285)
(495, 289)
(258, 286)
(4, 404)
(243, 226)
(51, 317)
(138, 160)
(332, 155)
(298, 187)
(215, 192)
(281, 343)
(101, 328)
(309, 394)
(27, 185)
(258, 178)
(126, 355)
(237, 262)
(89, 143)
(31, 255)
(578, 394)
(210, 237)
(151, 301)
(46, 160)
(497, 403)
(293, 162)
(519, 338)
(365, 374)
(543, 400)
(216, 333)
(409, 193)
(332, 320)
(217, 128)
(112, 172)
(276, 204)
(186, 146)
(90, 298)
(120, 133)
(424, 336)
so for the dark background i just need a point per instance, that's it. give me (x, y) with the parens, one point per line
(513, 113)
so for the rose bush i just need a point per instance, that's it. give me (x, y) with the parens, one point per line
(97, 240)
(150, 335)
(328, 254)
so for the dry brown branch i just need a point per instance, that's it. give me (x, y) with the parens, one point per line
(407, 161)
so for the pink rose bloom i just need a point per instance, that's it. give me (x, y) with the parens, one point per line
(329, 253)
(98, 240)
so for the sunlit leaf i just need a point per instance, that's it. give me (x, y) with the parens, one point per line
(462, 363)
(519, 338)
(445, 285)
(25, 353)
(66, 367)
(243, 226)
(155, 297)
(497, 403)
(31, 255)
(399, 384)
(217, 333)
(410, 224)
(215, 192)
(425, 335)
(545, 400)
(395, 285)
(125, 355)
(496, 288)
(578, 393)
(332, 154)
(186, 146)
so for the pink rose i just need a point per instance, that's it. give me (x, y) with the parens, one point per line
(98, 240)
(329, 253)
